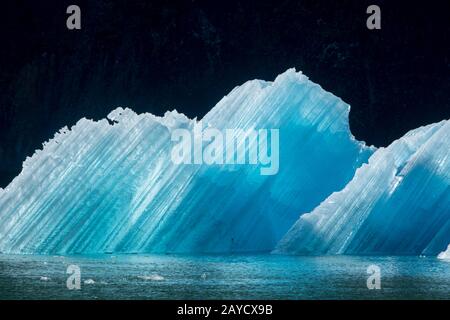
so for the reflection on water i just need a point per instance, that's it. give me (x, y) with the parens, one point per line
(222, 277)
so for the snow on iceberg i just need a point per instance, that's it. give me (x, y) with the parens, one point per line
(398, 203)
(110, 186)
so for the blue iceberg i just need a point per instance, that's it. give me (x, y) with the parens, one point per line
(398, 203)
(110, 185)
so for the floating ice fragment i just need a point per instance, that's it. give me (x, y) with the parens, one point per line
(445, 255)
(153, 277)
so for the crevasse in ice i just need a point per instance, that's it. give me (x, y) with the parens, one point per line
(398, 203)
(110, 185)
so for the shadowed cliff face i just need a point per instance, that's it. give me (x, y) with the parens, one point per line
(154, 55)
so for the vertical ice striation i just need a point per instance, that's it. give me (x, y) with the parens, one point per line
(398, 203)
(110, 186)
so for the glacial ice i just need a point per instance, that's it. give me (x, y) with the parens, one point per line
(398, 203)
(110, 185)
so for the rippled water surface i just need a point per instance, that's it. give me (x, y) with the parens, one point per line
(222, 277)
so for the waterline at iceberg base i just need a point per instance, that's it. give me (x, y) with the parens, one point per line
(106, 193)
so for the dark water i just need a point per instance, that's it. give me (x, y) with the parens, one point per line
(223, 277)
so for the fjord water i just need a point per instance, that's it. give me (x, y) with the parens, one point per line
(223, 277)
